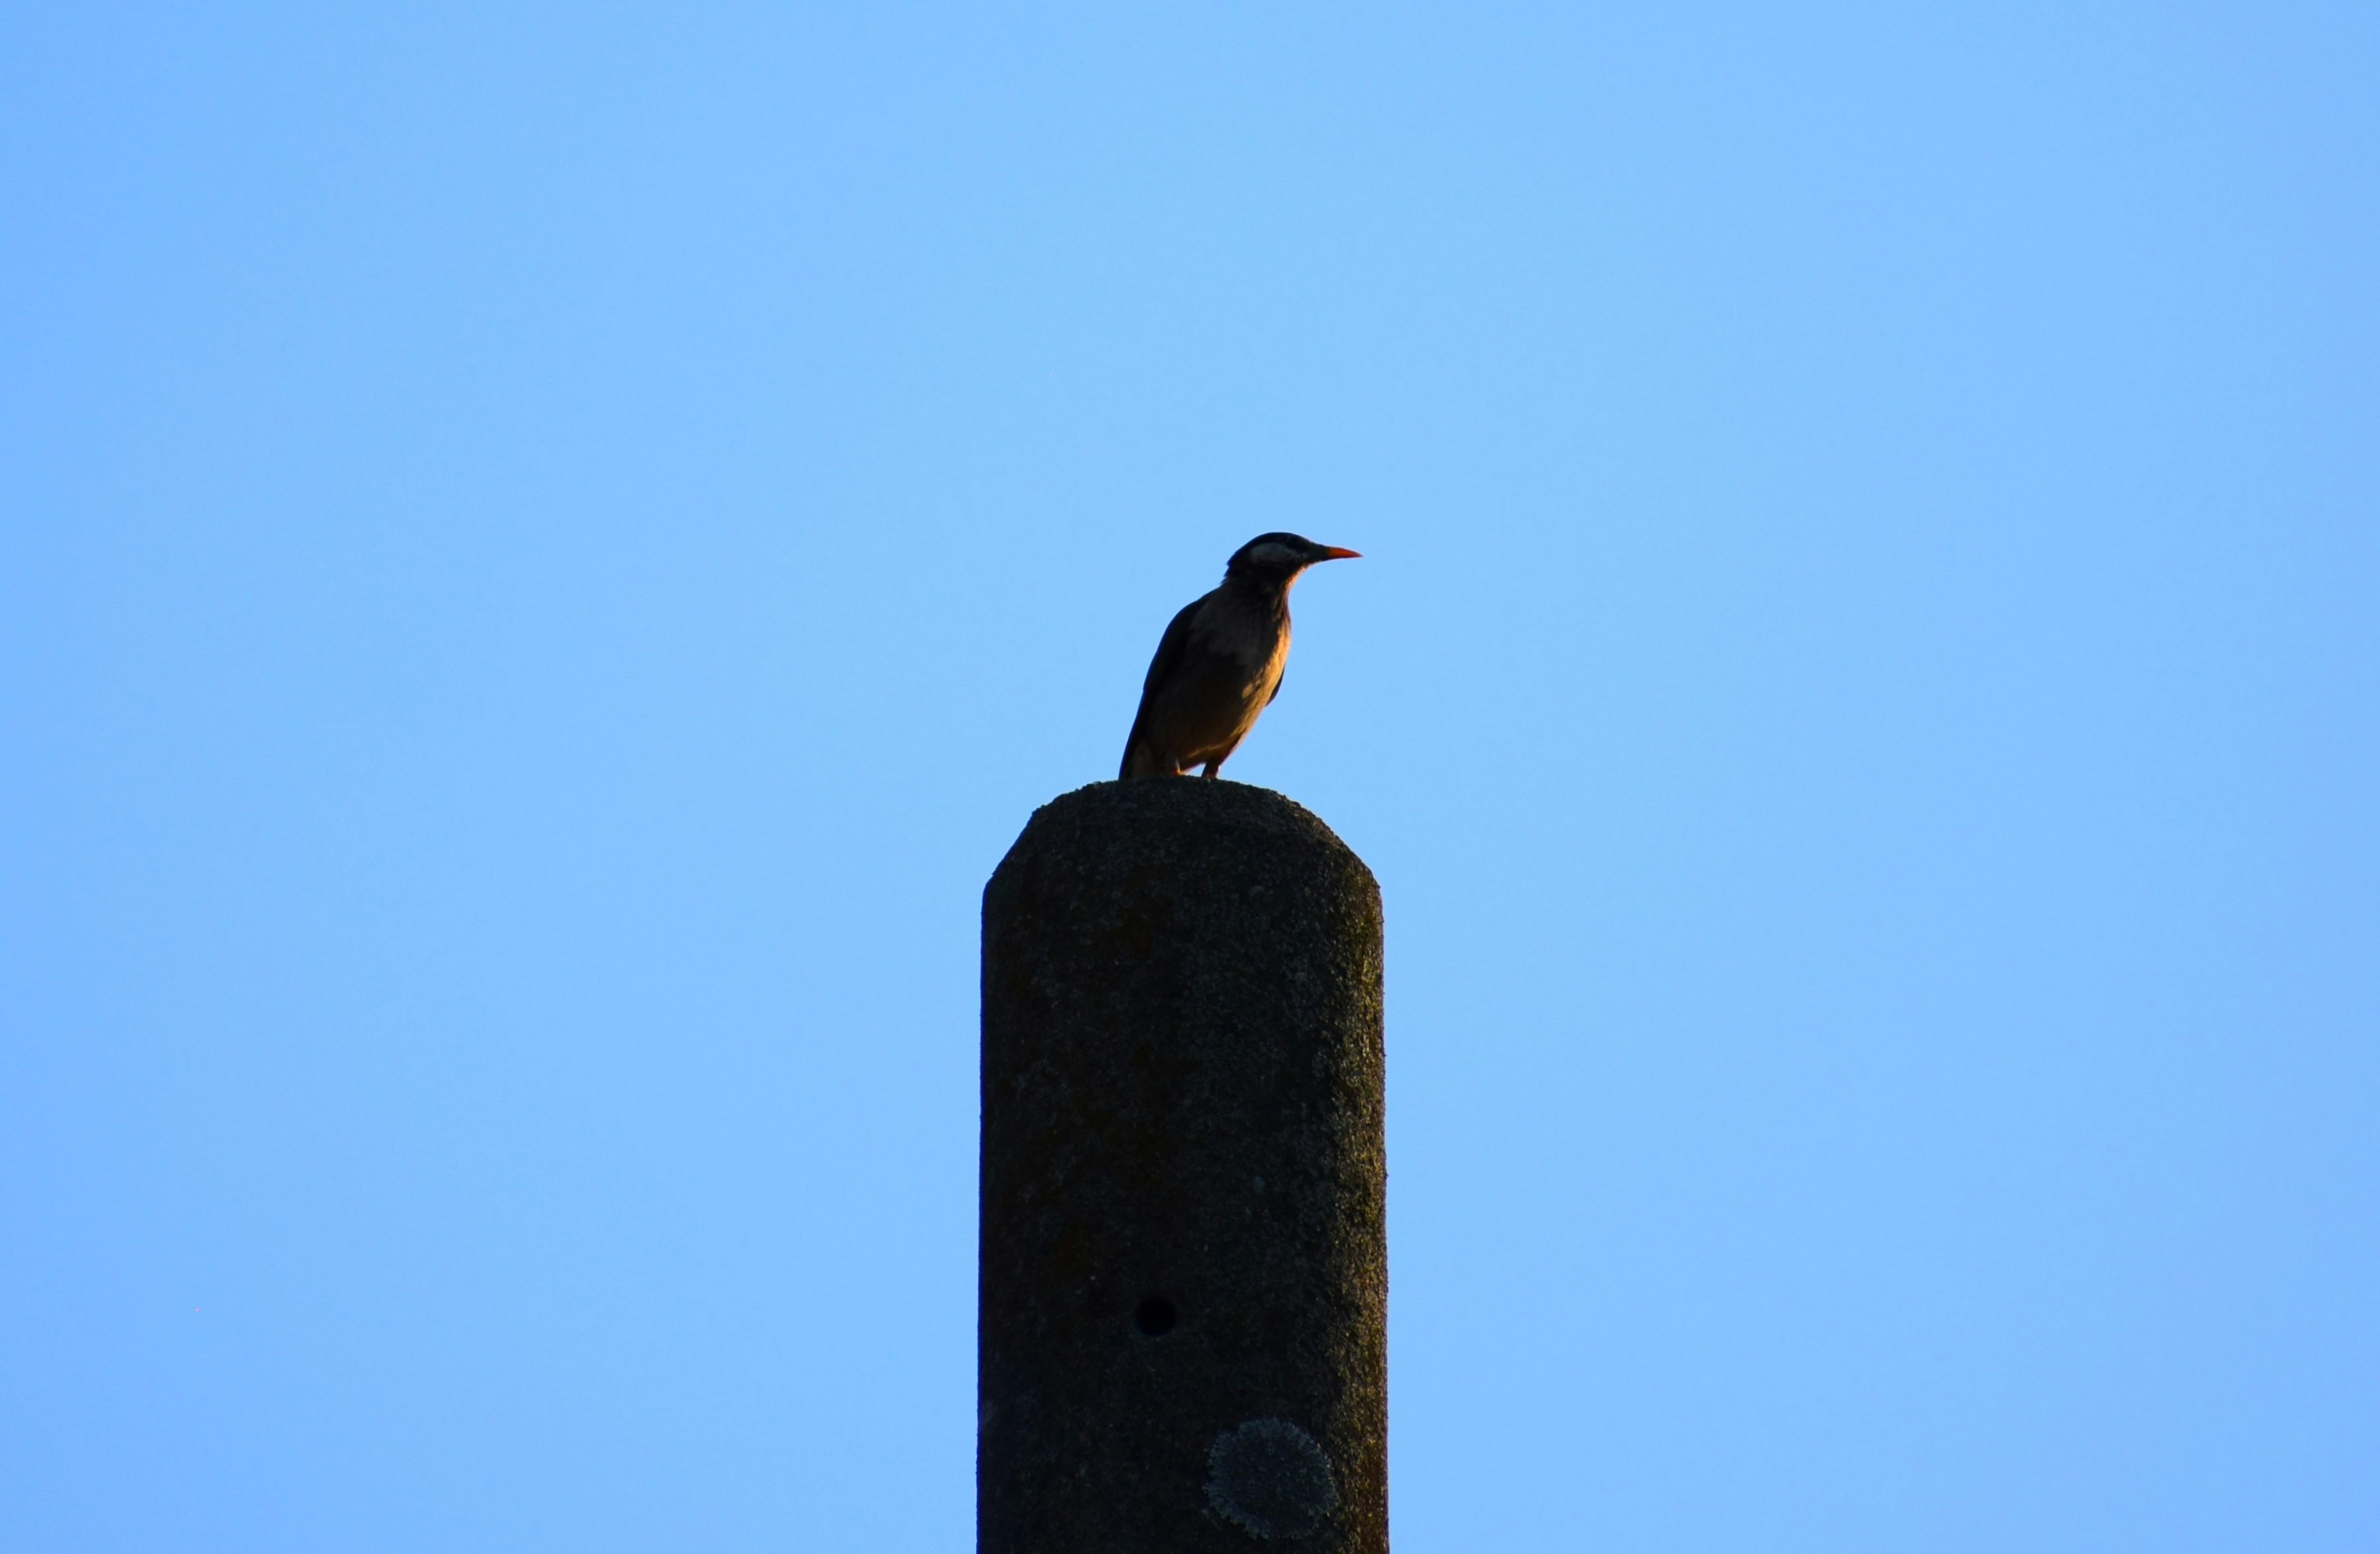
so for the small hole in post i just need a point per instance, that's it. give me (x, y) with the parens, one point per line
(1154, 1316)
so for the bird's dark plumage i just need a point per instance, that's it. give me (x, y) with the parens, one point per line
(1220, 661)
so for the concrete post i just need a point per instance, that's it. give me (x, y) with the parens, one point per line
(1183, 1302)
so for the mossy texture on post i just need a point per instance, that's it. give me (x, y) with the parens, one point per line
(1185, 1270)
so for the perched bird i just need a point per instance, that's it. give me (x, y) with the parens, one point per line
(1221, 662)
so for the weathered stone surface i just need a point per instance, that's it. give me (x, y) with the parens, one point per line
(1184, 1244)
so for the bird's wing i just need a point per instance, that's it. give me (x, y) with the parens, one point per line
(1171, 650)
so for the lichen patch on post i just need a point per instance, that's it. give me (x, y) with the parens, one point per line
(1269, 1479)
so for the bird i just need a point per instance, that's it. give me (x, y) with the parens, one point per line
(1220, 664)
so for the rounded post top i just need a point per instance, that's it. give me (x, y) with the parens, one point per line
(1189, 826)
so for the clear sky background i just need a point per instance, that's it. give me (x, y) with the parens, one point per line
(545, 553)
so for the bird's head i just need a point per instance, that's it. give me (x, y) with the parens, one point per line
(1276, 559)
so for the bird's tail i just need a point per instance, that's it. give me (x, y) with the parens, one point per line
(1140, 761)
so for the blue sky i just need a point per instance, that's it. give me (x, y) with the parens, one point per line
(546, 553)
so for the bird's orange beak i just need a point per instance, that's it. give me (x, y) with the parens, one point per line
(1340, 552)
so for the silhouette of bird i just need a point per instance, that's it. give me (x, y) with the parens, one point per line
(1221, 662)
